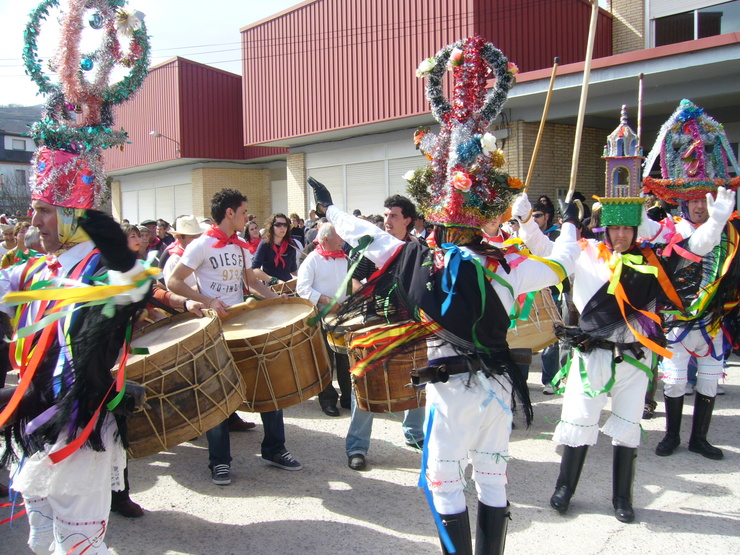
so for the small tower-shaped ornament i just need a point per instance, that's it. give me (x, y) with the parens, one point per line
(623, 155)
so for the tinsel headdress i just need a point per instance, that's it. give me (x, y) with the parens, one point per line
(76, 125)
(464, 185)
(695, 157)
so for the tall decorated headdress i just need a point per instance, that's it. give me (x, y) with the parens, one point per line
(622, 205)
(463, 185)
(695, 157)
(77, 122)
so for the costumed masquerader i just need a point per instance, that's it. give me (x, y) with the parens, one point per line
(457, 296)
(620, 288)
(75, 305)
(695, 156)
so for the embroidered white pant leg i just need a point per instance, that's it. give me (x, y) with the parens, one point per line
(675, 369)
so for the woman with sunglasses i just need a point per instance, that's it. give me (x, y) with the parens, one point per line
(276, 259)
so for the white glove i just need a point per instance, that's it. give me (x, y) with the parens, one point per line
(127, 278)
(722, 208)
(521, 208)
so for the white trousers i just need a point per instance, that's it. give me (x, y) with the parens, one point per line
(472, 422)
(579, 422)
(675, 369)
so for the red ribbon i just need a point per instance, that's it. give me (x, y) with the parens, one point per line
(223, 239)
(674, 238)
(330, 254)
(279, 252)
(176, 249)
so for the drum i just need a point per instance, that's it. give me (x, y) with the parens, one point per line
(387, 388)
(282, 360)
(538, 331)
(336, 335)
(287, 288)
(192, 383)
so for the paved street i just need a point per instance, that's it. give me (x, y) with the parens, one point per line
(684, 503)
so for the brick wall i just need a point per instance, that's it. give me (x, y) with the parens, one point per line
(552, 168)
(255, 184)
(297, 185)
(628, 25)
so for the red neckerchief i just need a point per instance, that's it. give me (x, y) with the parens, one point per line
(253, 244)
(330, 254)
(52, 263)
(223, 239)
(154, 243)
(279, 252)
(175, 249)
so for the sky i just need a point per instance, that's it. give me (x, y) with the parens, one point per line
(207, 32)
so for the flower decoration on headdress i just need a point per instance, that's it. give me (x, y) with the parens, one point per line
(464, 184)
(77, 122)
(695, 157)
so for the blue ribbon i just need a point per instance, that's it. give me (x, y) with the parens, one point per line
(443, 535)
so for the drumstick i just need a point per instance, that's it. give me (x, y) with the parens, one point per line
(584, 96)
(555, 64)
(240, 308)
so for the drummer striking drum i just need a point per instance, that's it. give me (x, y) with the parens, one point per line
(220, 262)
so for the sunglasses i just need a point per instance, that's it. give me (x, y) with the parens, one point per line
(538, 215)
(512, 222)
(280, 224)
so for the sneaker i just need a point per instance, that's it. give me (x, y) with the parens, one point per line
(548, 390)
(417, 444)
(220, 475)
(720, 390)
(689, 389)
(284, 460)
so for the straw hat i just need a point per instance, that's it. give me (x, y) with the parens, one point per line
(188, 225)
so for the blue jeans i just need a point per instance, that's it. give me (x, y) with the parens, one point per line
(550, 363)
(219, 443)
(361, 426)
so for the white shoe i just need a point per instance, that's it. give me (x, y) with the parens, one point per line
(548, 390)
(689, 389)
(720, 390)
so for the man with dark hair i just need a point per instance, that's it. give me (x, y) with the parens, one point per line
(163, 233)
(543, 218)
(400, 213)
(221, 263)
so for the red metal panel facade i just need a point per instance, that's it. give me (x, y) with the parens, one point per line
(532, 33)
(333, 64)
(198, 106)
(154, 108)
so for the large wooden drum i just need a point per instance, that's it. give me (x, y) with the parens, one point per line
(538, 331)
(286, 288)
(282, 360)
(336, 335)
(192, 383)
(387, 388)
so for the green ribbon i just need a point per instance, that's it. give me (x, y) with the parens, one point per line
(362, 245)
(565, 370)
(634, 261)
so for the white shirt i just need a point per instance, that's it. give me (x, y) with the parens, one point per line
(169, 267)
(218, 272)
(321, 276)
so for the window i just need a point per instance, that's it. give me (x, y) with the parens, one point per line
(19, 144)
(621, 182)
(696, 24)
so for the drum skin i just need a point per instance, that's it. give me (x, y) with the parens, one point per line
(192, 383)
(538, 331)
(282, 360)
(387, 388)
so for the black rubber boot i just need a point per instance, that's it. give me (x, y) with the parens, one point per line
(672, 438)
(490, 532)
(703, 408)
(458, 528)
(623, 477)
(570, 472)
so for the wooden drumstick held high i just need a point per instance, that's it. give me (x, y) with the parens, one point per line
(584, 97)
(555, 64)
